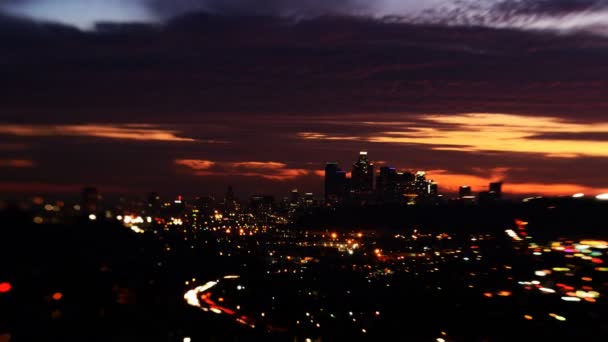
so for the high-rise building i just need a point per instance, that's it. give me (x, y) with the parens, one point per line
(420, 184)
(295, 197)
(432, 188)
(335, 183)
(363, 174)
(386, 184)
(496, 190)
(465, 191)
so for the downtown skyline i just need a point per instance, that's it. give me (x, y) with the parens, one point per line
(263, 102)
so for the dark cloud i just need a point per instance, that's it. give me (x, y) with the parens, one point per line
(258, 82)
(261, 7)
(553, 7)
(520, 14)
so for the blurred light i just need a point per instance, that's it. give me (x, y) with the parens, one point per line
(595, 243)
(504, 293)
(557, 317)
(547, 290)
(137, 230)
(92, 217)
(57, 296)
(602, 197)
(187, 339)
(579, 195)
(528, 317)
(571, 299)
(5, 287)
(439, 339)
(232, 277)
(540, 273)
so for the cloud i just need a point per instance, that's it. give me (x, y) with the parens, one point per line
(493, 132)
(81, 13)
(122, 132)
(196, 164)
(267, 170)
(564, 15)
(17, 163)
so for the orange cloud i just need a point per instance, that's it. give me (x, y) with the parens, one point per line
(319, 173)
(488, 132)
(260, 165)
(195, 164)
(17, 163)
(321, 136)
(266, 170)
(139, 132)
(479, 132)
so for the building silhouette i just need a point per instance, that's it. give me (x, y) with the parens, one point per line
(362, 175)
(336, 186)
(465, 191)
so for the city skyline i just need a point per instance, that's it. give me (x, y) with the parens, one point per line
(303, 170)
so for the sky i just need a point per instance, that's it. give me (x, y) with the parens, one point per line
(189, 96)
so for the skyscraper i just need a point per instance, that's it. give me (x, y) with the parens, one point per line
(433, 188)
(335, 183)
(386, 184)
(464, 191)
(496, 190)
(363, 174)
(420, 184)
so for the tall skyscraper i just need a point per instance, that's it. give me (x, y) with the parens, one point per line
(433, 188)
(335, 183)
(420, 184)
(295, 197)
(363, 174)
(386, 184)
(496, 190)
(465, 191)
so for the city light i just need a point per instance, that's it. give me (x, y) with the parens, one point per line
(5, 287)
(579, 195)
(602, 197)
(92, 217)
